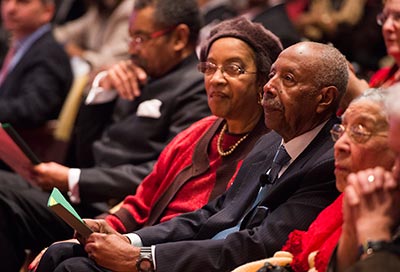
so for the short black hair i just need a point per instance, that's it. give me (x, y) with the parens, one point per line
(172, 13)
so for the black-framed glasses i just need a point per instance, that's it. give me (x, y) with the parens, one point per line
(232, 70)
(382, 17)
(357, 133)
(142, 37)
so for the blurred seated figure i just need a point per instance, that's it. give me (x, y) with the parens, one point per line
(35, 75)
(347, 24)
(272, 15)
(68, 10)
(99, 36)
(295, 8)
(202, 161)
(132, 120)
(215, 11)
(361, 142)
(370, 237)
(324, 17)
(389, 20)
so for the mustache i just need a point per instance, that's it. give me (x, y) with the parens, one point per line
(271, 103)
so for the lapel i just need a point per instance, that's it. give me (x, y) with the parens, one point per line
(240, 196)
(291, 179)
(11, 84)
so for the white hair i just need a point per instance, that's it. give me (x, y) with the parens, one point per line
(393, 101)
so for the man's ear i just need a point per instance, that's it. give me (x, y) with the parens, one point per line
(180, 37)
(48, 12)
(327, 98)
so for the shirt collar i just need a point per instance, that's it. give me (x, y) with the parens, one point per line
(297, 145)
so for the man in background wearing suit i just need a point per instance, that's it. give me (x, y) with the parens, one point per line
(136, 107)
(36, 75)
(300, 100)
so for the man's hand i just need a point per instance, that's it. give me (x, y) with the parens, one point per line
(125, 77)
(112, 251)
(100, 225)
(51, 174)
(97, 225)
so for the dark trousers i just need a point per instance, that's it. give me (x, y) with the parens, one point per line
(25, 221)
(67, 257)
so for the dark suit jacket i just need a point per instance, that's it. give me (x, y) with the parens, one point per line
(296, 198)
(34, 91)
(130, 144)
(277, 21)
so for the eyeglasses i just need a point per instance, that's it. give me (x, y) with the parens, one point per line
(382, 17)
(232, 70)
(357, 133)
(140, 38)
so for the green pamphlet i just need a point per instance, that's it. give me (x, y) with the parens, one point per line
(63, 209)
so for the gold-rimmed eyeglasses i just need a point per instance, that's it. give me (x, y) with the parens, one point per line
(232, 70)
(357, 133)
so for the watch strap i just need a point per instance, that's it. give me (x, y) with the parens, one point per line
(371, 247)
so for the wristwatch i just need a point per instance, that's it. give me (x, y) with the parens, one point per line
(145, 261)
(371, 247)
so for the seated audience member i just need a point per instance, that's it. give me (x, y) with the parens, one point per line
(369, 240)
(273, 16)
(360, 143)
(99, 36)
(324, 18)
(36, 75)
(390, 22)
(215, 11)
(202, 161)
(300, 99)
(169, 102)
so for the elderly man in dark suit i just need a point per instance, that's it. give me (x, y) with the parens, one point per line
(265, 203)
(36, 75)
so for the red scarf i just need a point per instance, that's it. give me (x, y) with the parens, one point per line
(322, 235)
(384, 77)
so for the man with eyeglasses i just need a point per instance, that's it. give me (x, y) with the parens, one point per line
(133, 110)
(282, 185)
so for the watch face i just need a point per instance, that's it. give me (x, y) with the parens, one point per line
(145, 264)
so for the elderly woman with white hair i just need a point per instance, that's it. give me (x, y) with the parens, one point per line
(369, 240)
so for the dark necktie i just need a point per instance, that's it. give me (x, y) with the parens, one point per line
(280, 160)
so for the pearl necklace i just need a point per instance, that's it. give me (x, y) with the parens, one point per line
(232, 148)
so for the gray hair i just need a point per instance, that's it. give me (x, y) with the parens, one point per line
(378, 96)
(393, 100)
(334, 72)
